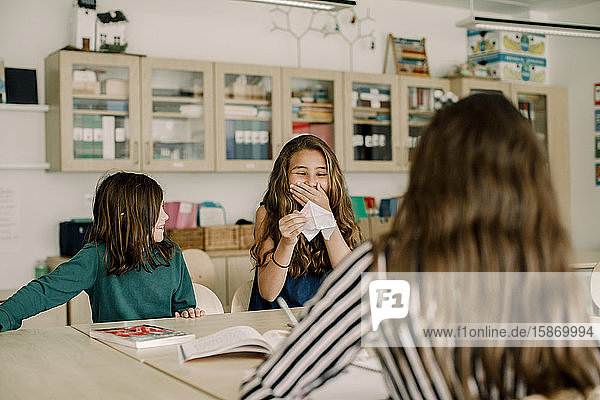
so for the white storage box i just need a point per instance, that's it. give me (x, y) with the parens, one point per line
(483, 42)
(514, 67)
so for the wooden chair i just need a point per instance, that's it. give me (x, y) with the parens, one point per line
(207, 300)
(200, 267)
(241, 297)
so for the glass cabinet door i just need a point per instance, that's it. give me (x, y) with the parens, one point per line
(419, 99)
(247, 112)
(177, 115)
(312, 104)
(546, 108)
(98, 127)
(372, 137)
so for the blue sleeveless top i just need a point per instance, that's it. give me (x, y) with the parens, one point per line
(295, 291)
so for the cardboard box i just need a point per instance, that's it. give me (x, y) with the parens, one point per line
(514, 67)
(483, 42)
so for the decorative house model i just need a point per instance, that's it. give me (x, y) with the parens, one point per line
(83, 24)
(110, 32)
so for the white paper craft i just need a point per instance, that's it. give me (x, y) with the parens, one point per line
(319, 220)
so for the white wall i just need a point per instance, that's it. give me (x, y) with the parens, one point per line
(575, 63)
(213, 30)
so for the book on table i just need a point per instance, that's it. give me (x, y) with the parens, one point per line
(237, 339)
(142, 336)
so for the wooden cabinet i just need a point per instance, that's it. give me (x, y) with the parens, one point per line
(94, 119)
(417, 104)
(463, 87)
(372, 123)
(546, 107)
(313, 104)
(177, 115)
(247, 116)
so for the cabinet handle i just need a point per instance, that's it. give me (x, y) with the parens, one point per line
(134, 152)
(148, 154)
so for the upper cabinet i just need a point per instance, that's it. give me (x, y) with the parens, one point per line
(94, 118)
(418, 97)
(372, 123)
(546, 108)
(465, 86)
(313, 104)
(177, 115)
(247, 116)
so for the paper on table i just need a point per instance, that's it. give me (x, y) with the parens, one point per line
(319, 220)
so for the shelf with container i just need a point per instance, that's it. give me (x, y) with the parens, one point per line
(247, 116)
(177, 115)
(312, 104)
(546, 108)
(94, 119)
(372, 123)
(417, 102)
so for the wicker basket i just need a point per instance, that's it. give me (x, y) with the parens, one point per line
(246, 236)
(221, 237)
(187, 238)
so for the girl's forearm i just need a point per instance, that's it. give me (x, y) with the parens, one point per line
(271, 277)
(337, 249)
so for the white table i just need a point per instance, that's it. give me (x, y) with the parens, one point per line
(220, 376)
(63, 363)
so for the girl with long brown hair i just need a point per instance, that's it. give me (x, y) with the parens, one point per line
(128, 268)
(287, 264)
(480, 199)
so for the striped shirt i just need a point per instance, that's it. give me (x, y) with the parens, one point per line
(328, 338)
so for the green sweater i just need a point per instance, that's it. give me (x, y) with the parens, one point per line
(133, 295)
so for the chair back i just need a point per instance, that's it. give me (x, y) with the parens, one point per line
(207, 300)
(200, 267)
(241, 297)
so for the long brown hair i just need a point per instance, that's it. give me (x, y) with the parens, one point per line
(480, 198)
(278, 202)
(126, 208)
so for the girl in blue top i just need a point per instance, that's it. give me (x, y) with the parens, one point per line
(127, 268)
(287, 264)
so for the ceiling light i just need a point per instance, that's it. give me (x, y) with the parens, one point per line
(324, 5)
(546, 28)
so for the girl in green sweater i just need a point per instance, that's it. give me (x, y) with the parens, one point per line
(127, 268)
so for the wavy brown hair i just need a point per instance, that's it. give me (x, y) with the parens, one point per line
(278, 202)
(480, 198)
(126, 208)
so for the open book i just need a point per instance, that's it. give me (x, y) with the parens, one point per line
(236, 339)
(142, 336)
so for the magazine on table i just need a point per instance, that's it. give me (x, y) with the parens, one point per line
(142, 336)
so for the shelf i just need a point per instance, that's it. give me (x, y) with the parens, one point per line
(314, 120)
(31, 166)
(428, 112)
(244, 118)
(102, 112)
(175, 115)
(370, 122)
(174, 99)
(417, 124)
(324, 105)
(371, 109)
(248, 101)
(101, 97)
(24, 107)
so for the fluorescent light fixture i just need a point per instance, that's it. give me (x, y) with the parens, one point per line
(324, 5)
(546, 28)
